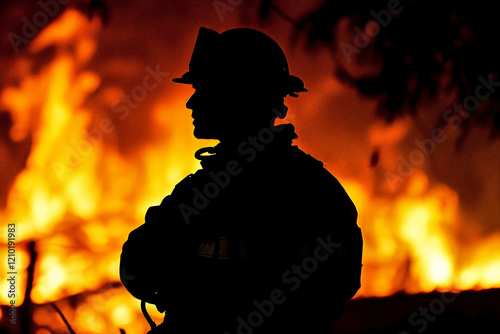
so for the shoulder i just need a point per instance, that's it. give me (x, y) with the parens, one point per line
(309, 168)
(317, 184)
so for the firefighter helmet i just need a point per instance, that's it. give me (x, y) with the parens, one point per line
(241, 57)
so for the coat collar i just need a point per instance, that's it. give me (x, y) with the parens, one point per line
(211, 157)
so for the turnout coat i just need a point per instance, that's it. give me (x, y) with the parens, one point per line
(262, 239)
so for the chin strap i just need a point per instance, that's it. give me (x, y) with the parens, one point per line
(198, 154)
(150, 321)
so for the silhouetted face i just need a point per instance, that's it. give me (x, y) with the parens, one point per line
(223, 112)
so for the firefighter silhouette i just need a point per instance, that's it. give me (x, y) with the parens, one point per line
(262, 239)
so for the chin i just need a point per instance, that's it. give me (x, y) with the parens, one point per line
(201, 134)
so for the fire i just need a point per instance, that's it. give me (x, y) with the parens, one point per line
(78, 196)
(412, 243)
